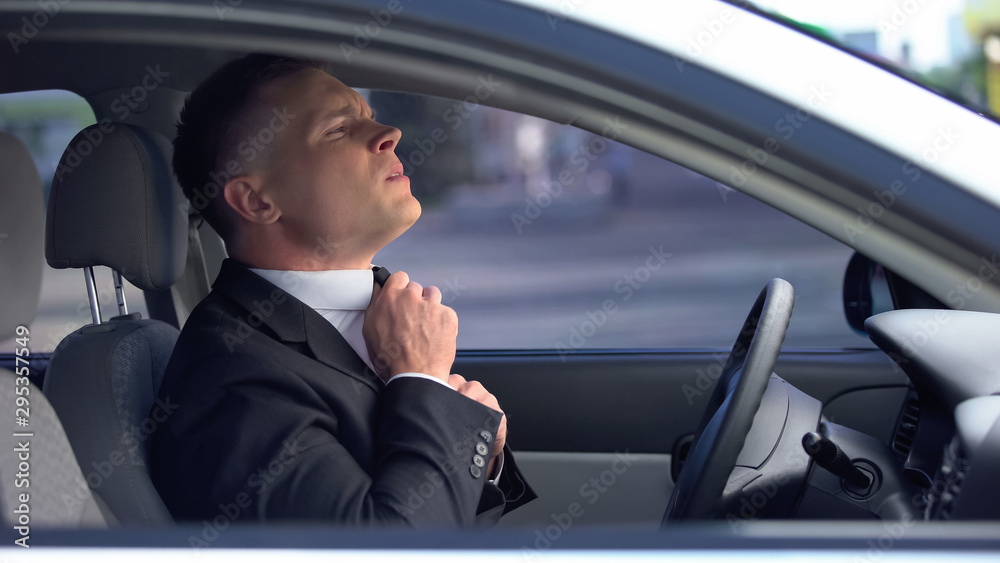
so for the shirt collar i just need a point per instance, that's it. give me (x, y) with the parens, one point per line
(326, 289)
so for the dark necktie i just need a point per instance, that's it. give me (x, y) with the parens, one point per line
(381, 274)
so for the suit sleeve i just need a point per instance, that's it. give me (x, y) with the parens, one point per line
(443, 437)
(273, 452)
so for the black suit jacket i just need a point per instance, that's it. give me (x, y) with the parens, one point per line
(278, 418)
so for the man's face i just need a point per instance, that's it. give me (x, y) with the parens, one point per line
(332, 170)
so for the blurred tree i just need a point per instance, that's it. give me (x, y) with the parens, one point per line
(964, 81)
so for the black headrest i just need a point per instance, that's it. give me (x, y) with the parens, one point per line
(115, 203)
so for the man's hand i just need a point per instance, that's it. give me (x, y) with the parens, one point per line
(475, 391)
(407, 329)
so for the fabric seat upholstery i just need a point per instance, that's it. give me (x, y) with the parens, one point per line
(57, 492)
(118, 207)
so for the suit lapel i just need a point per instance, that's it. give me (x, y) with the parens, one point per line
(329, 347)
(292, 321)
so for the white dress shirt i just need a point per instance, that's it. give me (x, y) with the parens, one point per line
(341, 297)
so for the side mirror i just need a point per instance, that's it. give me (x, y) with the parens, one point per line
(866, 291)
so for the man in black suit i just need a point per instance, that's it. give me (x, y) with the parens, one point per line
(305, 388)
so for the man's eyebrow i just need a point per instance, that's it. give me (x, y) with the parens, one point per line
(349, 110)
(331, 115)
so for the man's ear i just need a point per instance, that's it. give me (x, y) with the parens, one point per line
(243, 194)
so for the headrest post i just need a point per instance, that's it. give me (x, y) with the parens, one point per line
(120, 292)
(95, 305)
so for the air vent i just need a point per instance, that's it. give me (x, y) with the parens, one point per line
(947, 483)
(906, 429)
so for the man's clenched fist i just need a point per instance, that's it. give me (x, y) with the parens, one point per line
(407, 329)
(475, 391)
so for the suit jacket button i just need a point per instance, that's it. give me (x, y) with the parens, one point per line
(486, 436)
(476, 472)
(478, 460)
(481, 449)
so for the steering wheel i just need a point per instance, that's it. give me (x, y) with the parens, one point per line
(732, 406)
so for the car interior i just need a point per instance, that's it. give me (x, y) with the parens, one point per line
(905, 431)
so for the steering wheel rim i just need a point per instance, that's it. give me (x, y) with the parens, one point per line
(732, 406)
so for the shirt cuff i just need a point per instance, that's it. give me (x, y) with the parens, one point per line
(499, 469)
(421, 376)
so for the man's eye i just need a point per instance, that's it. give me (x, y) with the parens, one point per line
(340, 129)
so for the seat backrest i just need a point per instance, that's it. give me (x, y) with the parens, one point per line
(120, 207)
(51, 491)
(21, 220)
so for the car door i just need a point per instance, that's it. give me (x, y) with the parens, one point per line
(599, 289)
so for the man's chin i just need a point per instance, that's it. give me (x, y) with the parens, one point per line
(404, 219)
(418, 210)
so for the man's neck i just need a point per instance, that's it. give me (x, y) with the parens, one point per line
(273, 251)
(266, 261)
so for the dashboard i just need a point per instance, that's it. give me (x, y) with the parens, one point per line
(948, 437)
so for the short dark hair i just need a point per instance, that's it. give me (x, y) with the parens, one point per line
(214, 120)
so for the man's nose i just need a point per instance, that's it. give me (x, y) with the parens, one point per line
(386, 139)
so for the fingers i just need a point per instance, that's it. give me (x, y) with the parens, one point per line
(475, 391)
(401, 281)
(501, 436)
(456, 381)
(408, 329)
(397, 280)
(432, 293)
